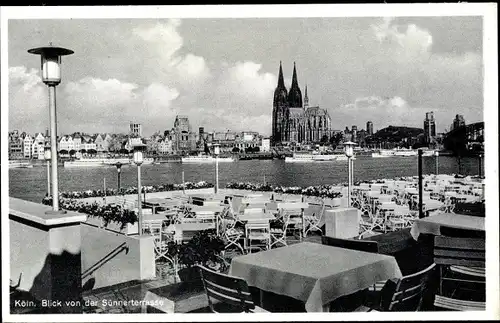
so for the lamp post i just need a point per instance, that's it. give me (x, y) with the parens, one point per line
(119, 170)
(138, 159)
(183, 185)
(349, 152)
(436, 154)
(47, 157)
(420, 185)
(480, 162)
(51, 75)
(216, 153)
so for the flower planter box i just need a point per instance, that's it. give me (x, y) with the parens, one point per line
(132, 228)
(336, 202)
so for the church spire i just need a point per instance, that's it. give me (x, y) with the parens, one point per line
(306, 99)
(295, 83)
(280, 93)
(281, 82)
(294, 95)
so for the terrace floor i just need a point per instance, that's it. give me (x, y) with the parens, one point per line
(399, 244)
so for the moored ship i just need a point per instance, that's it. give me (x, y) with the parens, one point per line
(19, 164)
(309, 158)
(96, 162)
(401, 152)
(206, 159)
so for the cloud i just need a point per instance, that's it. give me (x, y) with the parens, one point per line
(382, 111)
(165, 43)
(411, 43)
(245, 78)
(243, 97)
(157, 100)
(28, 98)
(384, 69)
(104, 100)
(164, 36)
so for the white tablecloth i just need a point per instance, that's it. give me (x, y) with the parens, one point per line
(433, 224)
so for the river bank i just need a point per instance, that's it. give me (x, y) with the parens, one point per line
(31, 183)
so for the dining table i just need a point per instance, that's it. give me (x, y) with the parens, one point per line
(313, 273)
(432, 224)
(265, 215)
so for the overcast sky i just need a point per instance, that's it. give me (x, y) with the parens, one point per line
(222, 73)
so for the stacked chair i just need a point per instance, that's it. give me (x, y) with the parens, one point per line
(460, 256)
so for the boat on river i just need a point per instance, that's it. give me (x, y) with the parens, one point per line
(205, 159)
(19, 164)
(396, 152)
(401, 152)
(96, 162)
(312, 158)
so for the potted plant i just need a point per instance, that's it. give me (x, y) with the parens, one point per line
(205, 248)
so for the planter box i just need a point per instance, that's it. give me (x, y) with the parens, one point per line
(132, 228)
(113, 226)
(336, 202)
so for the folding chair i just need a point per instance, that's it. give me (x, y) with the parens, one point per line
(385, 211)
(295, 213)
(232, 233)
(257, 230)
(227, 294)
(312, 222)
(461, 261)
(161, 243)
(278, 233)
(205, 216)
(405, 294)
(399, 218)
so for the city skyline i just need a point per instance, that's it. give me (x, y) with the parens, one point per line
(149, 70)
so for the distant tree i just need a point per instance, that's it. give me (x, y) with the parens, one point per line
(83, 151)
(235, 150)
(116, 143)
(72, 152)
(256, 149)
(336, 139)
(92, 151)
(324, 139)
(63, 152)
(248, 149)
(456, 141)
(206, 150)
(123, 151)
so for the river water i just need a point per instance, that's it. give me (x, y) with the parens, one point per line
(31, 183)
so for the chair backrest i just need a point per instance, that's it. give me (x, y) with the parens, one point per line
(235, 206)
(230, 290)
(255, 200)
(461, 233)
(205, 215)
(407, 293)
(459, 251)
(293, 206)
(361, 245)
(153, 226)
(293, 198)
(253, 210)
(258, 225)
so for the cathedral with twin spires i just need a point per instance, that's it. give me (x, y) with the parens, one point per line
(294, 122)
